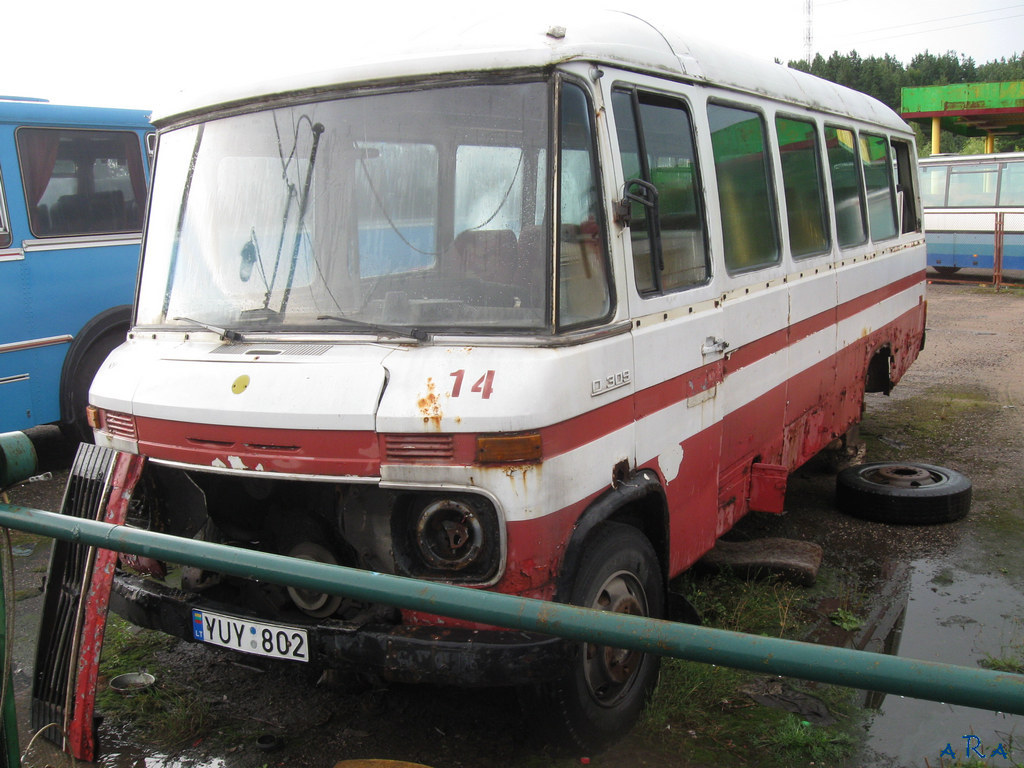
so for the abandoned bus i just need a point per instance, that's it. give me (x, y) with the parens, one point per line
(974, 211)
(543, 312)
(73, 186)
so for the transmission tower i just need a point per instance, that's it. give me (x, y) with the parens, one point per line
(809, 31)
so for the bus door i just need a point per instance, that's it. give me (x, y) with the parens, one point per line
(15, 397)
(812, 288)
(754, 301)
(678, 347)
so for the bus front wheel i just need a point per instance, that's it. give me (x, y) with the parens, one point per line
(604, 689)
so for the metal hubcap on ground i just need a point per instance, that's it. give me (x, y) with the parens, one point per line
(609, 672)
(902, 476)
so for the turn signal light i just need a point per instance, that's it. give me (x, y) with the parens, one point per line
(504, 449)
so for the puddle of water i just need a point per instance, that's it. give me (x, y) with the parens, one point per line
(132, 760)
(955, 617)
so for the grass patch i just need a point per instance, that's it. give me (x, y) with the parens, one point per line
(1011, 655)
(1012, 663)
(801, 740)
(702, 713)
(166, 714)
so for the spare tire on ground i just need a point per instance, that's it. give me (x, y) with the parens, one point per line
(903, 492)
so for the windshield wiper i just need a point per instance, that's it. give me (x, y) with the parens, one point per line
(225, 333)
(412, 333)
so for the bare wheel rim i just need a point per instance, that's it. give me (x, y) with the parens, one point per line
(611, 672)
(902, 476)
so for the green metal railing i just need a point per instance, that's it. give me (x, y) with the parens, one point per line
(972, 687)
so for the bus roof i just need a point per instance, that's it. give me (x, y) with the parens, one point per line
(541, 39)
(25, 111)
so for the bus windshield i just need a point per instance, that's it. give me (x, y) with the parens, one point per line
(422, 209)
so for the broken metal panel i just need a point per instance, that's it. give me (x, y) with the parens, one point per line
(65, 598)
(81, 731)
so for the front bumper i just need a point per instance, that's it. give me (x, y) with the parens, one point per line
(405, 653)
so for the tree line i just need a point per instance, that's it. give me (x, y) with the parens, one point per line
(884, 77)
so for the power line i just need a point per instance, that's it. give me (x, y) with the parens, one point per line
(937, 29)
(947, 18)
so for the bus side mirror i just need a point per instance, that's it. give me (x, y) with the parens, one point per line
(646, 194)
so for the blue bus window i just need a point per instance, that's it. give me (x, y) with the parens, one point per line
(80, 182)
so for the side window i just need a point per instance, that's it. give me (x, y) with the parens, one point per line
(906, 188)
(973, 185)
(584, 295)
(656, 148)
(745, 196)
(804, 186)
(5, 228)
(874, 155)
(1011, 186)
(847, 198)
(80, 182)
(933, 185)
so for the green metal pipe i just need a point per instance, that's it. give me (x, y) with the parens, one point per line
(984, 689)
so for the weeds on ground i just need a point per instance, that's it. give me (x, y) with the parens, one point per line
(1011, 656)
(166, 714)
(797, 738)
(702, 713)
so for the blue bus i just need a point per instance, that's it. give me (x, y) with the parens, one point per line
(73, 190)
(974, 211)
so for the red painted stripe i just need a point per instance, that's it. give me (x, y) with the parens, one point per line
(861, 303)
(677, 389)
(756, 350)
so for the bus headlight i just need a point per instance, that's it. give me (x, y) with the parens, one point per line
(451, 537)
(449, 534)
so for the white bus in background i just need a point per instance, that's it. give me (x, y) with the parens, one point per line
(974, 211)
(544, 310)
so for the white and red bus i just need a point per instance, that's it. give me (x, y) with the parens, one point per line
(543, 310)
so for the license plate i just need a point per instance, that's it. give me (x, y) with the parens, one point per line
(276, 640)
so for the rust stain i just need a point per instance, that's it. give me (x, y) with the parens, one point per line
(429, 406)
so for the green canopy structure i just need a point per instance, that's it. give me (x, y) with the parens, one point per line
(967, 109)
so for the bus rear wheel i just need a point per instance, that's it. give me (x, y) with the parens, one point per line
(604, 689)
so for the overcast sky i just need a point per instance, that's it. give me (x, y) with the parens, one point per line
(137, 54)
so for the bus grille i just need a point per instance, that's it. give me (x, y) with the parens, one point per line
(70, 570)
